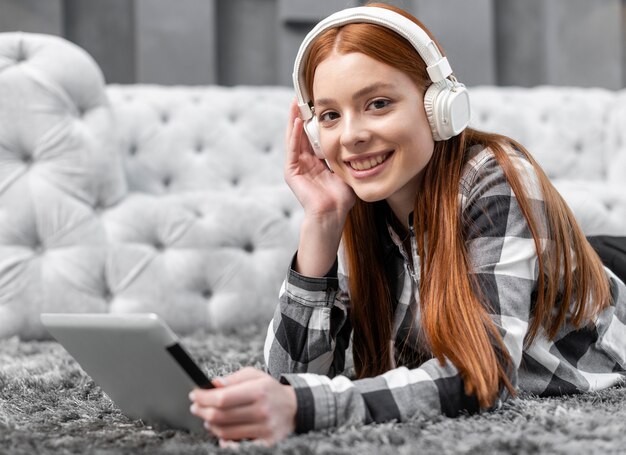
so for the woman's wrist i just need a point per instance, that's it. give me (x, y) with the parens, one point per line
(319, 242)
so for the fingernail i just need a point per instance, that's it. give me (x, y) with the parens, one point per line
(192, 396)
(228, 444)
(193, 408)
(221, 381)
(207, 425)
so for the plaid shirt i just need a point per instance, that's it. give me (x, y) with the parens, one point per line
(310, 333)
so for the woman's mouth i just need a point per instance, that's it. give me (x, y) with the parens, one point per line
(368, 163)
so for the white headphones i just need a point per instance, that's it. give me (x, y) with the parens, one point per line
(446, 100)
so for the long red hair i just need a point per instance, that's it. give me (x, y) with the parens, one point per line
(454, 315)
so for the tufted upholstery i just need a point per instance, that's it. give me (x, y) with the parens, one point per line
(171, 199)
(136, 198)
(579, 138)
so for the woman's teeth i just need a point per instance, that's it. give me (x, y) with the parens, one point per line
(364, 165)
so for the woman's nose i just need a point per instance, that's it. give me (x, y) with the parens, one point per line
(354, 132)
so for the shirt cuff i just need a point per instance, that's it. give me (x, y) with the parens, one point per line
(315, 402)
(332, 273)
(312, 291)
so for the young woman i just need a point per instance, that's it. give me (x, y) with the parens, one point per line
(439, 257)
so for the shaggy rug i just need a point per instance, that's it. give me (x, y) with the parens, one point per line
(48, 405)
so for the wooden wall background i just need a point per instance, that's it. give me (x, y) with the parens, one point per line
(232, 42)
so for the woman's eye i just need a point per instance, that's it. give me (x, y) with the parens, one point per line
(328, 116)
(378, 104)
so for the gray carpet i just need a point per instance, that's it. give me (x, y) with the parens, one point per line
(48, 405)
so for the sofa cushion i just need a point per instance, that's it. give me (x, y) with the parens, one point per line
(616, 132)
(56, 169)
(177, 139)
(199, 259)
(599, 208)
(565, 128)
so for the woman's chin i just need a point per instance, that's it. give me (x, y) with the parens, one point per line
(370, 196)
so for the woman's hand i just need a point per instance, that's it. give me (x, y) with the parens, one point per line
(248, 404)
(326, 200)
(320, 192)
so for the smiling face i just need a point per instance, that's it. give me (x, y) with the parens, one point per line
(373, 128)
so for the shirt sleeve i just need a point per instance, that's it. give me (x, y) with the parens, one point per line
(310, 330)
(503, 259)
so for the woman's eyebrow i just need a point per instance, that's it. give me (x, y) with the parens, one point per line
(358, 94)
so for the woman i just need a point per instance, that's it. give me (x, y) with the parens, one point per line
(461, 277)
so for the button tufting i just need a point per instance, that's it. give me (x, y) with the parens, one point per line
(165, 118)
(578, 147)
(38, 248)
(27, 160)
(267, 148)
(234, 181)
(199, 148)
(167, 181)
(248, 247)
(159, 246)
(132, 150)
(207, 294)
(287, 213)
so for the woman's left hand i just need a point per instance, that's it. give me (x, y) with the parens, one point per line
(248, 404)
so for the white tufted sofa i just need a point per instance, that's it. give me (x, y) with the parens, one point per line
(171, 199)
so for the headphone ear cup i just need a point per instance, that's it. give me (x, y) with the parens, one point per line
(447, 108)
(311, 128)
(430, 99)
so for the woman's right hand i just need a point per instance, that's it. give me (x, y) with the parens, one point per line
(326, 200)
(320, 192)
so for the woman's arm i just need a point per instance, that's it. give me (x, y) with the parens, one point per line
(310, 331)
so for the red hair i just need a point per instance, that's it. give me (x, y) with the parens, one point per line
(454, 314)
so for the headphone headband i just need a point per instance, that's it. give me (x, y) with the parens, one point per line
(437, 65)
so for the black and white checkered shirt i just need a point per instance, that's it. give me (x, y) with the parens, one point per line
(309, 336)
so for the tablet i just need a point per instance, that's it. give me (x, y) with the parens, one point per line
(137, 360)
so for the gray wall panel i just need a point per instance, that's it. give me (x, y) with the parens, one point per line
(247, 37)
(583, 43)
(297, 17)
(520, 42)
(466, 31)
(176, 41)
(623, 42)
(291, 37)
(310, 12)
(560, 42)
(37, 16)
(231, 42)
(105, 30)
